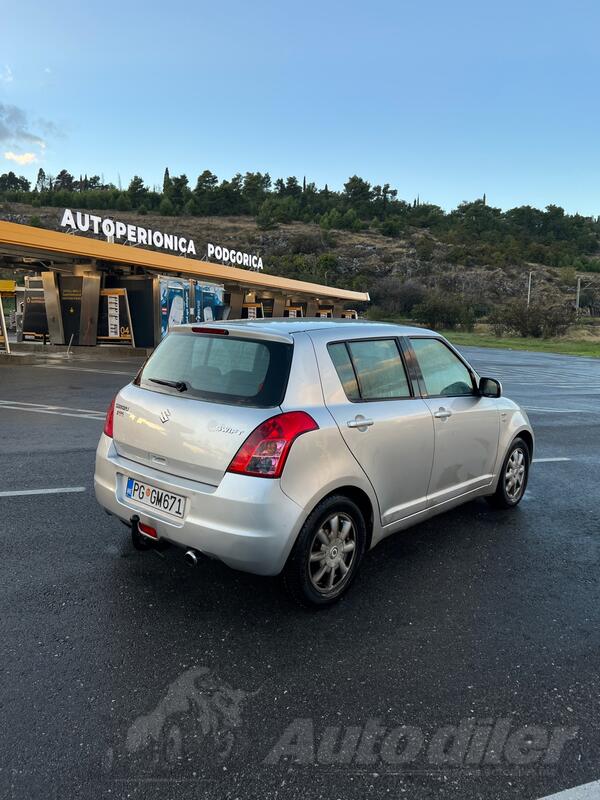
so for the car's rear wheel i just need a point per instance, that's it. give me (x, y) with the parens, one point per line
(327, 553)
(513, 478)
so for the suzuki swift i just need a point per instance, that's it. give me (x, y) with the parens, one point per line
(294, 446)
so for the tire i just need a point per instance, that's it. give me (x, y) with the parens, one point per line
(307, 576)
(507, 495)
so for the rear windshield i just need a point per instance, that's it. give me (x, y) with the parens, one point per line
(220, 368)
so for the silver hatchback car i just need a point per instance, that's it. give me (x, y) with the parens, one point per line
(294, 446)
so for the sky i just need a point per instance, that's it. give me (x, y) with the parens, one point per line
(444, 100)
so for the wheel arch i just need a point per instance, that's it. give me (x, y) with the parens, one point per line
(527, 438)
(362, 500)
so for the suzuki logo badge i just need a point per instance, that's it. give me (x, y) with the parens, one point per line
(165, 415)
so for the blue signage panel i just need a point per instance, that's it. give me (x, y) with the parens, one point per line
(209, 302)
(174, 303)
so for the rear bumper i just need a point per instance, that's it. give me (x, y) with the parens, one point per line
(246, 522)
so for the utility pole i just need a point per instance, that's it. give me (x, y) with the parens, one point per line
(529, 288)
(578, 295)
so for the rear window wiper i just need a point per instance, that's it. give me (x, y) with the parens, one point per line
(181, 386)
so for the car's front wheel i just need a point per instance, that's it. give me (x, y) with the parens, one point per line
(327, 553)
(513, 478)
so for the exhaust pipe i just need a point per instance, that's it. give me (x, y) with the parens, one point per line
(191, 558)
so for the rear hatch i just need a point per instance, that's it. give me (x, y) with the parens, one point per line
(197, 399)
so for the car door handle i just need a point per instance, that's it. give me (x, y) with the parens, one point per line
(359, 422)
(442, 413)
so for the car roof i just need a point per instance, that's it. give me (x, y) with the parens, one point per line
(284, 326)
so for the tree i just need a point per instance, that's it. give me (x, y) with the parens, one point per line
(358, 193)
(137, 191)
(179, 192)
(205, 192)
(206, 183)
(64, 180)
(228, 197)
(254, 189)
(293, 188)
(40, 183)
(9, 182)
(476, 218)
(166, 181)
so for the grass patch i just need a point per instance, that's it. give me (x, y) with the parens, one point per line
(583, 340)
(570, 347)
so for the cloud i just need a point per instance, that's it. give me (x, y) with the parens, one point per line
(18, 132)
(23, 140)
(20, 158)
(6, 76)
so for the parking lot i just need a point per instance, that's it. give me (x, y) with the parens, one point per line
(127, 674)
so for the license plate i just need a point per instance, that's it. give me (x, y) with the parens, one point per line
(149, 495)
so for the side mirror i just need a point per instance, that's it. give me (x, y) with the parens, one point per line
(490, 387)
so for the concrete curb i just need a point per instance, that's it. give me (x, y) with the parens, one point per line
(18, 359)
(98, 352)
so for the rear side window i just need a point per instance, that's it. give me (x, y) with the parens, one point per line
(444, 374)
(343, 365)
(220, 368)
(372, 369)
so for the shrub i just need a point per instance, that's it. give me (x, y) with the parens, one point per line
(394, 297)
(568, 277)
(265, 219)
(123, 202)
(306, 243)
(425, 248)
(327, 262)
(391, 226)
(191, 207)
(166, 207)
(544, 318)
(444, 311)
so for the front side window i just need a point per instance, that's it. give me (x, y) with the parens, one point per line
(370, 369)
(443, 372)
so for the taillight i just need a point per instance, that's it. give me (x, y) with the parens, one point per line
(110, 416)
(264, 452)
(213, 331)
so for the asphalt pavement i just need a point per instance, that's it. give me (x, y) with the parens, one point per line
(463, 663)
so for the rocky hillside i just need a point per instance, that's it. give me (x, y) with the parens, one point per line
(391, 269)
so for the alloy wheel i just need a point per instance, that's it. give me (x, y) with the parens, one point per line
(332, 553)
(514, 475)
